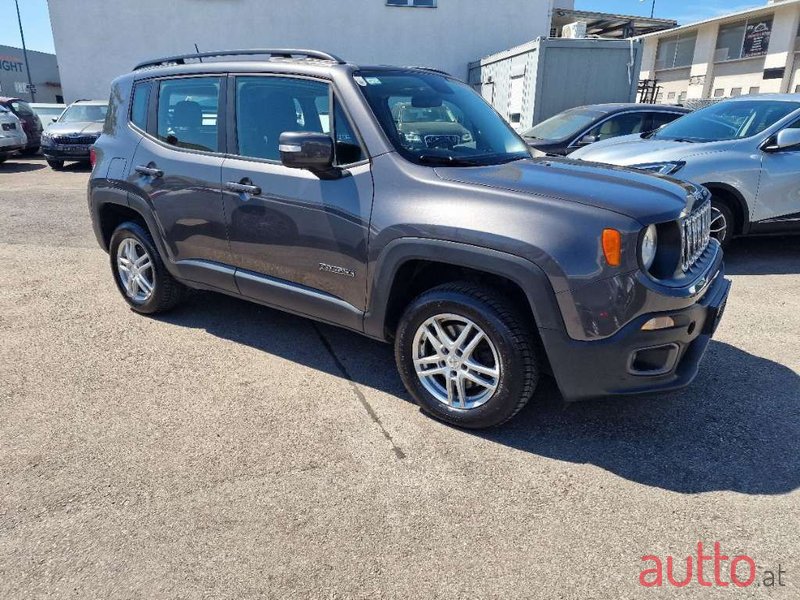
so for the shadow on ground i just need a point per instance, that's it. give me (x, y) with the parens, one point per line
(736, 428)
(20, 167)
(779, 255)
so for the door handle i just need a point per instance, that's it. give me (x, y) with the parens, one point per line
(150, 172)
(245, 186)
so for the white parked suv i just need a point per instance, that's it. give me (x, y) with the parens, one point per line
(12, 136)
(745, 150)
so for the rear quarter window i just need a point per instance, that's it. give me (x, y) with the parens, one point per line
(140, 104)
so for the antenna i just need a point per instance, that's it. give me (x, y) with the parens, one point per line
(198, 51)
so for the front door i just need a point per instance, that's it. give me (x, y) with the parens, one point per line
(179, 166)
(299, 242)
(779, 188)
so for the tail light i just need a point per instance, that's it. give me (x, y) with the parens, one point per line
(92, 155)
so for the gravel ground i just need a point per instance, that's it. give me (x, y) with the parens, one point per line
(231, 451)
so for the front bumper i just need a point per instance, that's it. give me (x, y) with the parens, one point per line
(633, 361)
(66, 152)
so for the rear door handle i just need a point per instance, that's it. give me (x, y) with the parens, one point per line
(150, 172)
(245, 186)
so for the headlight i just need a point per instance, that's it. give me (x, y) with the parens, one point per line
(46, 138)
(662, 168)
(649, 246)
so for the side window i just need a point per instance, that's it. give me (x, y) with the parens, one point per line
(188, 111)
(659, 119)
(140, 104)
(21, 108)
(266, 107)
(625, 124)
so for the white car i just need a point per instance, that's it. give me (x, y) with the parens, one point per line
(745, 150)
(12, 136)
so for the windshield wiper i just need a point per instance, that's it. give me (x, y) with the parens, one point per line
(449, 161)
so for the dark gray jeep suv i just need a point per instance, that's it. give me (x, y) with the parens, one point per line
(283, 177)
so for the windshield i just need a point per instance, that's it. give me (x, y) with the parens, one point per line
(563, 125)
(47, 113)
(84, 113)
(431, 119)
(727, 121)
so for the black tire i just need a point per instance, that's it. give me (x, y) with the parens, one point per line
(510, 333)
(721, 210)
(30, 151)
(3, 159)
(56, 165)
(167, 291)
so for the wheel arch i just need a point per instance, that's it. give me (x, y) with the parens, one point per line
(735, 201)
(408, 266)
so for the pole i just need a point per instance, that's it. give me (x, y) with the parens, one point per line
(653, 10)
(25, 54)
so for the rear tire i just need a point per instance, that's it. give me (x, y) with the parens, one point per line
(56, 165)
(30, 151)
(139, 272)
(472, 381)
(723, 222)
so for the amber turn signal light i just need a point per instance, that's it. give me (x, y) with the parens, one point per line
(612, 247)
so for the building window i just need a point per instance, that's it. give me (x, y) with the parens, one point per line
(797, 41)
(671, 96)
(754, 90)
(682, 98)
(797, 89)
(736, 92)
(415, 3)
(676, 51)
(719, 93)
(745, 39)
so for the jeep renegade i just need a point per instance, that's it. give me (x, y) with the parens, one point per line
(289, 178)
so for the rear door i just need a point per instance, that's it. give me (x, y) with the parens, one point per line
(300, 242)
(178, 166)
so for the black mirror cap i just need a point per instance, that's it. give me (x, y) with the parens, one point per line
(306, 150)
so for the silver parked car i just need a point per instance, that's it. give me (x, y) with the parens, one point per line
(745, 150)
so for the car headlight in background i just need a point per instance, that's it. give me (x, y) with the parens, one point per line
(649, 246)
(662, 168)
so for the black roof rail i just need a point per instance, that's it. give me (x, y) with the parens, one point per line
(274, 52)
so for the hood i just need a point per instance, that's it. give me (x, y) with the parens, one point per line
(629, 192)
(635, 150)
(89, 128)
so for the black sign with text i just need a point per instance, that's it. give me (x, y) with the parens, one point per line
(756, 38)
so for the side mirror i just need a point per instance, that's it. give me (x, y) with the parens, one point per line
(587, 139)
(309, 151)
(788, 139)
(55, 119)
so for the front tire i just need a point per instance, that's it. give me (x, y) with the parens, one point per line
(467, 355)
(56, 165)
(31, 151)
(139, 272)
(723, 222)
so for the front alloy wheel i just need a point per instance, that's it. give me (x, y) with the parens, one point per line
(467, 354)
(721, 223)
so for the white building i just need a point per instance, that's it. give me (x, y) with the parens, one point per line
(102, 39)
(748, 52)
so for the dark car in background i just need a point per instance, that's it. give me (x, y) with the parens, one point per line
(429, 126)
(579, 127)
(31, 124)
(72, 135)
(48, 112)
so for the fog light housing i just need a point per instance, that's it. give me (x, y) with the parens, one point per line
(657, 323)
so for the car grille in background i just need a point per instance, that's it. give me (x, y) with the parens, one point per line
(9, 126)
(84, 140)
(695, 234)
(442, 141)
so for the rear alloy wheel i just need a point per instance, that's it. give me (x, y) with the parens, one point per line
(467, 355)
(139, 272)
(722, 223)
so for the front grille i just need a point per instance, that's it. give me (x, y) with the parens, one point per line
(83, 140)
(442, 141)
(9, 126)
(695, 234)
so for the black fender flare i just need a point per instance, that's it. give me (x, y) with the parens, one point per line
(527, 275)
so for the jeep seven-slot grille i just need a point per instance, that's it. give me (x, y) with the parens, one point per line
(695, 234)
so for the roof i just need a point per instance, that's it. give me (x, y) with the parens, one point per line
(613, 107)
(92, 102)
(765, 97)
(607, 25)
(10, 98)
(757, 10)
